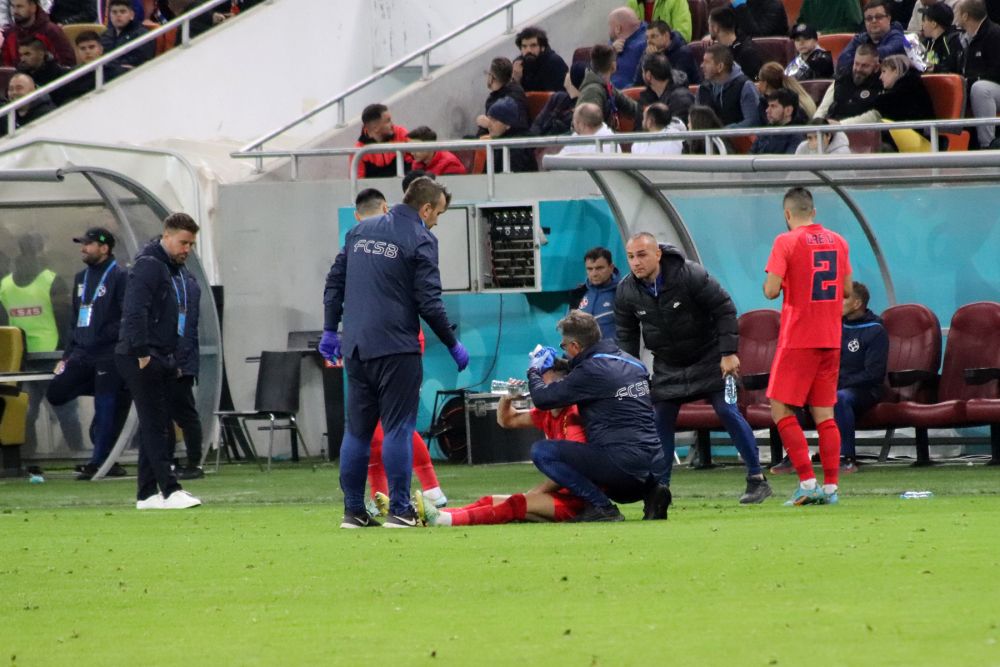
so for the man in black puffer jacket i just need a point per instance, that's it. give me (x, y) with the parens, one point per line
(688, 321)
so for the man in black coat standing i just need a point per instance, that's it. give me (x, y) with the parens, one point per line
(538, 68)
(688, 321)
(154, 316)
(182, 406)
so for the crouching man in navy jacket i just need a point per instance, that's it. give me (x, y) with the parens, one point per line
(622, 459)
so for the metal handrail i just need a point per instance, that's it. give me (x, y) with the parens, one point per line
(339, 99)
(8, 111)
(599, 141)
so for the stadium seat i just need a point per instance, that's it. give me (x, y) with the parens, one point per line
(817, 88)
(869, 141)
(741, 145)
(536, 102)
(835, 43)
(13, 402)
(699, 19)
(72, 30)
(478, 162)
(792, 9)
(777, 49)
(582, 55)
(947, 93)
(968, 389)
(164, 42)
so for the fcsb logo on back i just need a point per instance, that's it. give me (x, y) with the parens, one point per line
(370, 247)
(634, 390)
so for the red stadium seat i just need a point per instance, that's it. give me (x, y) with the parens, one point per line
(792, 8)
(835, 43)
(777, 49)
(536, 102)
(582, 55)
(817, 88)
(947, 93)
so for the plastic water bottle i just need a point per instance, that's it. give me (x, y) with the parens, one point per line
(730, 390)
(916, 495)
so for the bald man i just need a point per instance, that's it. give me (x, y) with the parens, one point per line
(588, 121)
(19, 86)
(627, 36)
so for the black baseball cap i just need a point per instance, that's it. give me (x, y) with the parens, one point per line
(939, 13)
(803, 31)
(96, 235)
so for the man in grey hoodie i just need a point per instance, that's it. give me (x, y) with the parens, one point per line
(729, 92)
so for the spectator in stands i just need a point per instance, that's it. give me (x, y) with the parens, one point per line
(438, 163)
(982, 66)
(831, 16)
(500, 83)
(811, 61)
(171, 9)
(727, 90)
(596, 296)
(661, 39)
(676, 13)
(920, 8)
(501, 122)
(538, 67)
(31, 22)
(782, 109)
(660, 87)
(834, 143)
(942, 41)
(760, 18)
(123, 27)
(657, 119)
(853, 92)
(39, 63)
(597, 88)
(704, 118)
(21, 84)
(627, 36)
(73, 11)
(772, 78)
(588, 121)
(377, 128)
(556, 117)
(88, 49)
(880, 31)
(903, 96)
(722, 29)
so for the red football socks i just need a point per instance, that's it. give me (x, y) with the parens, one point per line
(422, 465)
(512, 509)
(829, 450)
(794, 440)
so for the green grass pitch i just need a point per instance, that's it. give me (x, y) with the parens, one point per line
(261, 575)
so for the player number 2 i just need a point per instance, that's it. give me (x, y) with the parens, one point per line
(824, 287)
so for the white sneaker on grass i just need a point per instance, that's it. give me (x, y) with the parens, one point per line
(180, 500)
(154, 502)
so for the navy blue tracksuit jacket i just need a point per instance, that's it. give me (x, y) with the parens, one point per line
(150, 310)
(864, 354)
(393, 281)
(98, 340)
(613, 397)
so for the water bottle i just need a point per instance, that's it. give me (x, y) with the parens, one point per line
(916, 495)
(730, 390)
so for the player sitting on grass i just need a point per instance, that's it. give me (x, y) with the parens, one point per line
(545, 502)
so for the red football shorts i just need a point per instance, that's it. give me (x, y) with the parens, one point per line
(567, 505)
(805, 376)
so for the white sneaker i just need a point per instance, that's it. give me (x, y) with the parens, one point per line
(436, 496)
(154, 502)
(180, 500)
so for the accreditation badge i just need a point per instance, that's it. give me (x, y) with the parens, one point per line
(181, 321)
(83, 318)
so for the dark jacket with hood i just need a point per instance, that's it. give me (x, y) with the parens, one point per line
(42, 29)
(892, 42)
(153, 296)
(611, 390)
(944, 54)
(546, 72)
(681, 58)
(97, 340)
(595, 90)
(864, 354)
(115, 39)
(735, 100)
(521, 159)
(688, 322)
(382, 165)
(771, 144)
(599, 301)
(981, 59)
(514, 91)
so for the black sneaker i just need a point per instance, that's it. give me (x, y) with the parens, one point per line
(117, 470)
(592, 513)
(654, 507)
(190, 472)
(758, 490)
(86, 472)
(407, 520)
(362, 520)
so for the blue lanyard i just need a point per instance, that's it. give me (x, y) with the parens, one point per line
(601, 355)
(97, 290)
(183, 308)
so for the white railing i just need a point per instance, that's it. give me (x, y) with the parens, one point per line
(340, 99)
(8, 112)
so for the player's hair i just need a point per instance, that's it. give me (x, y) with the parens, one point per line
(560, 365)
(658, 66)
(580, 327)
(799, 201)
(724, 17)
(414, 175)
(597, 253)
(642, 235)
(532, 32)
(722, 55)
(502, 70)
(659, 113)
(860, 290)
(423, 133)
(975, 9)
(369, 202)
(867, 49)
(425, 191)
(176, 222)
(373, 112)
(661, 26)
(784, 97)
(602, 57)
(87, 36)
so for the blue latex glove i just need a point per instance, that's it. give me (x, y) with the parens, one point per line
(460, 355)
(543, 360)
(329, 345)
(738, 3)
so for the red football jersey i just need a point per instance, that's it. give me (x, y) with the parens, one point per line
(566, 426)
(813, 263)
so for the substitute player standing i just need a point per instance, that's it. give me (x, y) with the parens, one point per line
(810, 264)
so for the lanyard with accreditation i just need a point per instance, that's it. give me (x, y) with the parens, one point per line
(87, 309)
(182, 306)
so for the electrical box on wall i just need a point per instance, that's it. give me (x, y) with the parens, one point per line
(507, 238)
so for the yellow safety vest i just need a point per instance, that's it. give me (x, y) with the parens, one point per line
(30, 308)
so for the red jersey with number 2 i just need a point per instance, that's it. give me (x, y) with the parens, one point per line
(813, 263)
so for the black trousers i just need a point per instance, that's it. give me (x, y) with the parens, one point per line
(183, 411)
(150, 387)
(97, 377)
